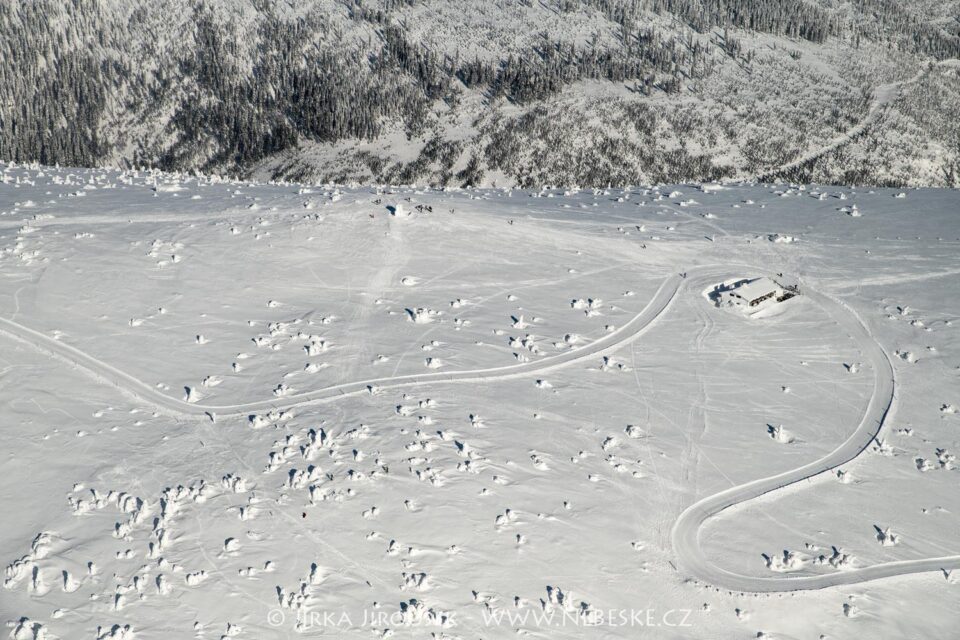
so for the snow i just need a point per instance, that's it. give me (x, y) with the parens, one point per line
(756, 288)
(499, 407)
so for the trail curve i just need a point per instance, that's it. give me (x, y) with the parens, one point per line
(140, 390)
(686, 530)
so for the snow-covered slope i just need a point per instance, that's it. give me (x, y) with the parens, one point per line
(246, 410)
(457, 92)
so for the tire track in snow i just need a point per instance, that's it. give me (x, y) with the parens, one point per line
(686, 530)
(136, 388)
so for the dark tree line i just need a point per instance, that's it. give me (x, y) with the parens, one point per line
(51, 102)
(76, 76)
(548, 66)
(297, 90)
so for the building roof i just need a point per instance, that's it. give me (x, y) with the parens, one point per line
(757, 288)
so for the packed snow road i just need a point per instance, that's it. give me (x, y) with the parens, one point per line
(686, 530)
(169, 405)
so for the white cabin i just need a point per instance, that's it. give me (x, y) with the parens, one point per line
(753, 293)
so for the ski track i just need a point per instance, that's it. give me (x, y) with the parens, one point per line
(686, 530)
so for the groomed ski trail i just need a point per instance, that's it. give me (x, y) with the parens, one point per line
(686, 530)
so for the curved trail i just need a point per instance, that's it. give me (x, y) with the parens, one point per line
(883, 95)
(169, 405)
(686, 530)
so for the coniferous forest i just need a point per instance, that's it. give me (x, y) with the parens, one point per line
(594, 92)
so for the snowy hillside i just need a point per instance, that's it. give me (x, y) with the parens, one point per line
(238, 410)
(584, 93)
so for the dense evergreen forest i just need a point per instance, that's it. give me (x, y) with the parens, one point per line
(221, 86)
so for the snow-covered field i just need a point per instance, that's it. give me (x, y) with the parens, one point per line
(276, 411)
